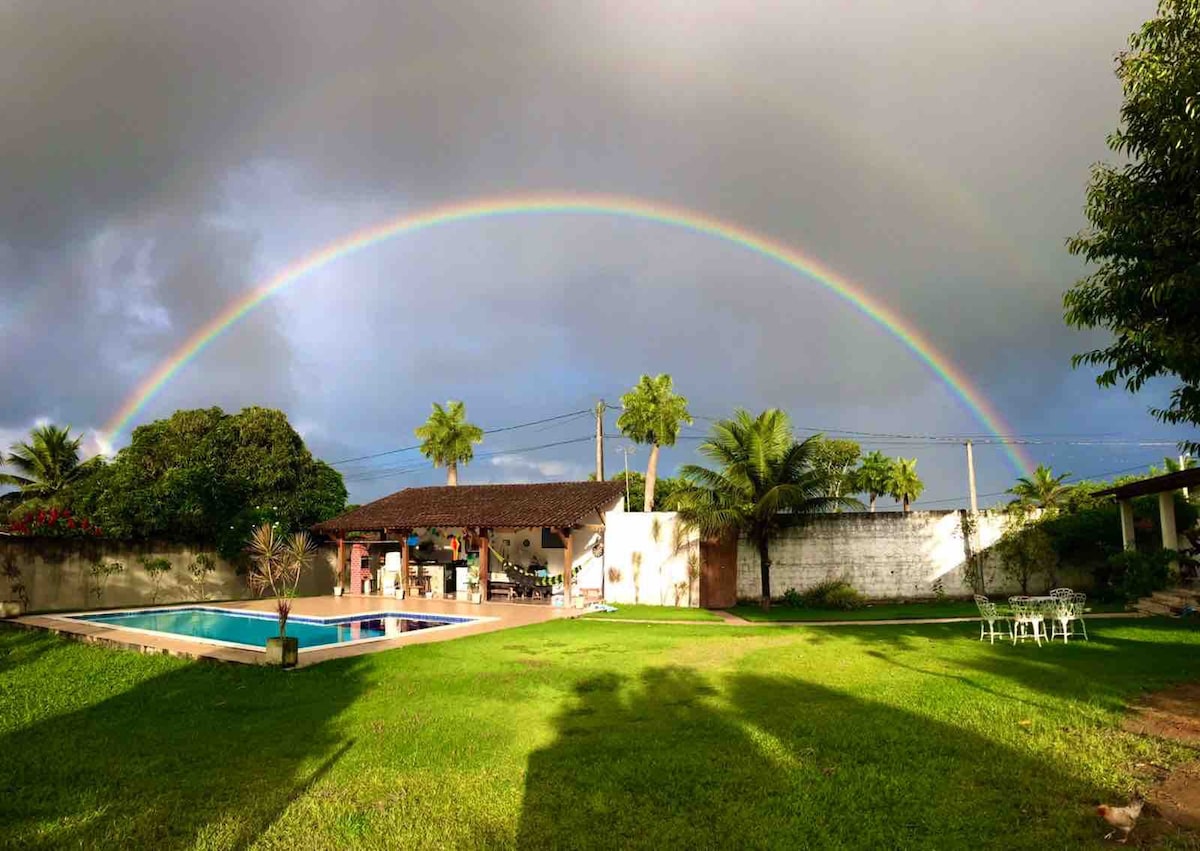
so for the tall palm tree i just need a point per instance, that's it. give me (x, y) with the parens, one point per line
(765, 482)
(47, 463)
(904, 485)
(447, 439)
(1043, 488)
(653, 413)
(873, 475)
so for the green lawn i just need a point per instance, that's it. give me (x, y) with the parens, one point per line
(883, 611)
(660, 613)
(568, 734)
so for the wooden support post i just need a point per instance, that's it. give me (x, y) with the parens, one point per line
(485, 551)
(404, 567)
(1127, 539)
(568, 563)
(341, 557)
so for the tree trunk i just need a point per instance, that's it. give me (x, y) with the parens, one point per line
(452, 474)
(764, 566)
(651, 477)
(873, 497)
(906, 502)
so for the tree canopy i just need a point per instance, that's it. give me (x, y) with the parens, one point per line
(1143, 234)
(837, 458)
(653, 413)
(208, 476)
(904, 485)
(447, 439)
(874, 476)
(1043, 489)
(46, 463)
(764, 481)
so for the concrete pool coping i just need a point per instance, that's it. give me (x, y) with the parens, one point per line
(489, 617)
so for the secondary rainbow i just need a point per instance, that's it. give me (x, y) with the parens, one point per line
(561, 203)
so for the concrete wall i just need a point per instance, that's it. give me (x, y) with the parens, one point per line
(647, 559)
(886, 555)
(56, 573)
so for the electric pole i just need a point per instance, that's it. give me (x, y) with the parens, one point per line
(971, 479)
(600, 441)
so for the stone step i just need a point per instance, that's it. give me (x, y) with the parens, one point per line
(1176, 597)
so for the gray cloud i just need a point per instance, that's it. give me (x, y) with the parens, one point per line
(160, 157)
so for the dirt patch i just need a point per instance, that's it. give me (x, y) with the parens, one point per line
(1172, 714)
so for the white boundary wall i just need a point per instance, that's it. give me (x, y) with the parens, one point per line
(648, 560)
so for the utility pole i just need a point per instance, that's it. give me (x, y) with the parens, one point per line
(600, 441)
(971, 479)
(627, 451)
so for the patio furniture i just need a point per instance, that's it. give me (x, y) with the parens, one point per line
(1028, 617)
(989, 617)
(1061, 593)
(1067, 612)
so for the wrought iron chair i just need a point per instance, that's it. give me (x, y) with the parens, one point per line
(1061, 593)
(1068, 612)
(989, 617)
(1028, 619)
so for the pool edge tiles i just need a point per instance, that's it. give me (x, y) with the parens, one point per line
(111, 619)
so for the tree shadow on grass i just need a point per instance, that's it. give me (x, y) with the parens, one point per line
(203, 754)
(671, 761)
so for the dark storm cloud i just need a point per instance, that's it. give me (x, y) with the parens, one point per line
(934, 152)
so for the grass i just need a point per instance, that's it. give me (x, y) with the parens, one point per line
(882, 611)
(566, 734)
(661, 613)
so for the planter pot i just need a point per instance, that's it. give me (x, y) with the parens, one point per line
(284, 652)
(476, 597)
(366, 586)
(461, 595)
(338, 590)
(10, 609)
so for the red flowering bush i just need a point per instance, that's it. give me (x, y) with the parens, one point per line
(55, 523)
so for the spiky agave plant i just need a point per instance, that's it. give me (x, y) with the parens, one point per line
(277, 562)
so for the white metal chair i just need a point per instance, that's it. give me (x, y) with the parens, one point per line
(1028, 619)
(1068, 612)
(989, 617)
(1061, 593)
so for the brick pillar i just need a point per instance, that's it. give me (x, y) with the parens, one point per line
(359, 567)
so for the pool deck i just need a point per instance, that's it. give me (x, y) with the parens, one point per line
(494, 616)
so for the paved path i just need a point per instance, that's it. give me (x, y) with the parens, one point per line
(734, 620)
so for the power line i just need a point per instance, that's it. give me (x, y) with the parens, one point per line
(1071, 479)
(384, 473)
(485, 431)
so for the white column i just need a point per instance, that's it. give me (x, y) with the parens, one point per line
(1126, 523)
(1166, 519)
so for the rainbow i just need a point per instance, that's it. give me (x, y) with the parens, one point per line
(565, 203)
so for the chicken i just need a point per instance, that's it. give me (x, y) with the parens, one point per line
(1121, 818)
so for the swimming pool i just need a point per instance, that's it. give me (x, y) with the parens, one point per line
(250, 630)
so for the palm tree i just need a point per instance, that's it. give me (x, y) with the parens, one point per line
(447, 439)
(653, 413)
(766, 482)
(904, 485)
(47, 463)
(873, 475)
(1043, 488)
(276, 565)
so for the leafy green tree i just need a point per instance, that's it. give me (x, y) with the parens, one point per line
(653, 413)
(1142, 215)
(447, 439)
(765, 481)
(1043, 489)
(46, 464)
(874, 476)
(904, 485)
(207, 477)
(837, 457)
(1173, 465)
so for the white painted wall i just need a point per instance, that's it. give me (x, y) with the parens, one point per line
(648, 560)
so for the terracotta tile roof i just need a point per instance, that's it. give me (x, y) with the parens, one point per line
(495, 506)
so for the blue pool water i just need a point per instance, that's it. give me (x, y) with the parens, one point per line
(253, 629)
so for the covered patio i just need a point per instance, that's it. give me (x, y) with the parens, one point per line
(1165, 486)
(524, 542)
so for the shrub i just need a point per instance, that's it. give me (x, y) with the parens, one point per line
(1135, 574)
(832, 594)
(54, 523)
(793, 598)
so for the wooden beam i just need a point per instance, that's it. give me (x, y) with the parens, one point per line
(568, 564)
(341, 565)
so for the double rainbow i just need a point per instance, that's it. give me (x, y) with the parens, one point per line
(563, 203)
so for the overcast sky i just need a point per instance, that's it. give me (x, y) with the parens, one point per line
(160, 158)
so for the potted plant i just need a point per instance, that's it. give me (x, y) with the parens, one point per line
(276, 564)
(335, 570)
